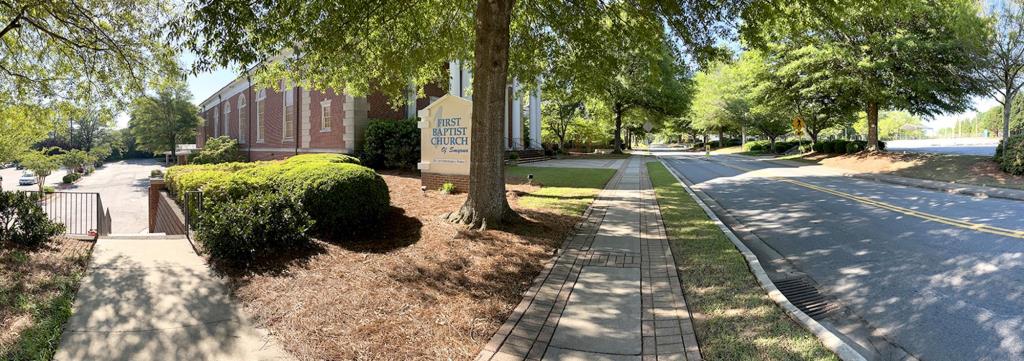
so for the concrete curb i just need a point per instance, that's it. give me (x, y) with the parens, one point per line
(946, 187)
(843, 350)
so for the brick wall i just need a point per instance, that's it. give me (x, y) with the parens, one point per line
(169, 218)
(434, 181)
(164, 214)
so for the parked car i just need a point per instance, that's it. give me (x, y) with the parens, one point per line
(27, 179)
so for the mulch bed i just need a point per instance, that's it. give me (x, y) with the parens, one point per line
(27, 281)
(420, 289)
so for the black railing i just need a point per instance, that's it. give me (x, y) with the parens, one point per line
(193, 207)
(82, 214)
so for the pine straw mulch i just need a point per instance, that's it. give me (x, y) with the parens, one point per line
(967, 169)
(31, 278)
(421, 289)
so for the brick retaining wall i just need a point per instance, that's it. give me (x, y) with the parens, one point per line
(169, 217)
(434, 181)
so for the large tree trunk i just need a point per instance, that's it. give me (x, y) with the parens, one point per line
(618, 128)
(486, 203)
(872, 126)
(1007, 107)
(814, 136)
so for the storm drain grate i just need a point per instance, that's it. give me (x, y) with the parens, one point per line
(805, 296)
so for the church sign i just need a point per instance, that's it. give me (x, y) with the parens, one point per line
(445, 127)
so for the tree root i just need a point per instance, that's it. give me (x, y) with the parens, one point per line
(472, 219)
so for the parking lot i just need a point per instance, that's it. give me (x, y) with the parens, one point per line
(122, 185)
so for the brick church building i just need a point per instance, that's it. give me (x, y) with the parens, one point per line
(287, 120)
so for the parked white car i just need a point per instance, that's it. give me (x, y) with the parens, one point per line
(27, 179)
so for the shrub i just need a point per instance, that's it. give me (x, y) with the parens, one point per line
(391, 144)
(756, 146)
(193, 181)
(881, 145)
(513, 156)
(782, 147)
(70, 178)
(853, 147)
(256, 225)
(840, 146)
(323, 157)
(23, 222)
(233, 187)
(998, 157)
(828, 147)
(341, 198)
(156, 173)
(1012, 160)
(174, 175)
(447, 188)
(218, 150)
(49, 189)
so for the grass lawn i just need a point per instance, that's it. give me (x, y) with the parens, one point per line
(565, 190)
(595, 156)
(733, 317)
(37, 288)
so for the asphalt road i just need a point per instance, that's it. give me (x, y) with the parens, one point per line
(123, 186)
(10, 179)
(936, 290)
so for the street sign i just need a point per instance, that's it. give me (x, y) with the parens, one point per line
(798, 125)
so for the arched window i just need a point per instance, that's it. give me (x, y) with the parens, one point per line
(227, 118)
(288, 112)
(243, 120)
(216, 122)
(261, 101)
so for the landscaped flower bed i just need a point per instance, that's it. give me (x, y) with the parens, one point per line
(419, 288)
(251, 210)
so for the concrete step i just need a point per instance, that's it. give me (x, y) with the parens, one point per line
(143, 236)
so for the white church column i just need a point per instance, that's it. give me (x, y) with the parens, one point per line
(535, 110)
(454, 78)
(517, 116)
(467, 81)
(410, 101)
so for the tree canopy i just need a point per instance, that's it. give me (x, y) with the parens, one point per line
(357, 47)
(70, 49)
(915, 55)
(160, 122)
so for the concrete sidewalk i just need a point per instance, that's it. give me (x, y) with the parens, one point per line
(612, 293)
(154, 299)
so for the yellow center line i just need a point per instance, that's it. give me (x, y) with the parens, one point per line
(910, 212)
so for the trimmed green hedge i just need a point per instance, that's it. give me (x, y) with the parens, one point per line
(392, 144)
(756, 146)
(842, 146)
(71, 177)
(221, 149)
(1011, 158)
(341, 196)
(256, 225)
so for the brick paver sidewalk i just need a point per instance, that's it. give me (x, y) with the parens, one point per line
(612, 293)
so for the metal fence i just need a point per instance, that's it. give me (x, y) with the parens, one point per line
(81, 213)
(193, 207)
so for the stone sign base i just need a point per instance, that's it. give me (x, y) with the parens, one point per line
(433, 181)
